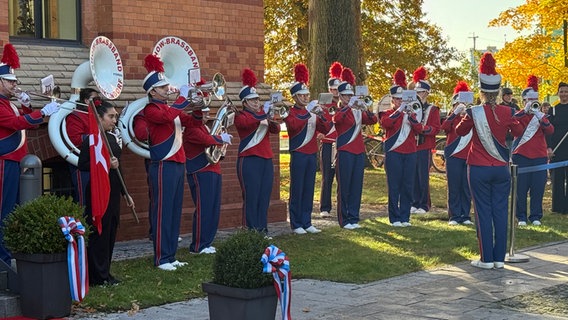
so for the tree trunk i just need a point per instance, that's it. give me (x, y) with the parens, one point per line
(335, 35)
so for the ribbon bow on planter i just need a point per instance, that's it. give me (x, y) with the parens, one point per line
(76, 257)
(276, 262)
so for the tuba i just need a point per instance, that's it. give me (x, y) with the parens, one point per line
(178, 58)
(224, 118)
(105, 69)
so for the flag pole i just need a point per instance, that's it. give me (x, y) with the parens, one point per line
(105, 140)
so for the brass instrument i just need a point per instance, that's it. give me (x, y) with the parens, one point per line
(224, 118)
(364, 103)
(201, 94)
(534, 107)
(278, 108)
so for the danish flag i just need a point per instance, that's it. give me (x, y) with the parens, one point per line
(100, 163)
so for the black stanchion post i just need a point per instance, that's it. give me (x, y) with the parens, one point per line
(512, 257)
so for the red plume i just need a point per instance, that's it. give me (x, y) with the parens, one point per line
(400, 78)
(335, 70)
(348, 76)
(419, 74)
(532, 82)
(487, 64)
(10, 56)
(301, 73)
(248, 77)
(461, 86)
(153, 63)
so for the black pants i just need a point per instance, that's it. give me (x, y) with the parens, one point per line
(559, 194)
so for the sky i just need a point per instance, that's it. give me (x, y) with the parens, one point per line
(461, 19)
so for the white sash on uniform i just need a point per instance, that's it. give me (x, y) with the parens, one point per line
(404, 132)
(484, 132)
(178, 142)
(357, 115)
(310, 130)
(530, 131)
(464, 141)
(23, 131)
(258, 135)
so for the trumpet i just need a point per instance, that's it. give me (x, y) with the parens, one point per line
(364, 103)
(413, 107)
(278, 108)
(534, 106)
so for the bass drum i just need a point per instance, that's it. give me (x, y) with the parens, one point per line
(126, 126)
(58, 134)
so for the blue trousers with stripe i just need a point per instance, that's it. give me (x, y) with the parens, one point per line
(351, 168)
(302, 181)
(532, 183)
(327, 174)
(421, 193)
(400, 169)
(10, 196)
(80, 179)
(459, 196)
(205, 190)
(490, 192)
(256, 176)
(167, 182)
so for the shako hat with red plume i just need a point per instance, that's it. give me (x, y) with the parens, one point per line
(334, 75)
(419, 79)
(461, 86)
(399, 80)
(248, 90)
(532, 85)
(155, 77)
(347, 82)
(489, 79)
(10, 61)
(302, 76)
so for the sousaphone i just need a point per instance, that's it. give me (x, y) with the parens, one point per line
(105, 69)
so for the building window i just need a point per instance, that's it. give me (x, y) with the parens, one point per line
(45, 19)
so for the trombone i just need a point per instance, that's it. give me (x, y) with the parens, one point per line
(53, 97)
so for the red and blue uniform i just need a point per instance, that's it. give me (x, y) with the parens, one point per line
(350, 162)
(13, 147)
(167, 169)
(302, 127)
(426, 142)
(255, 169)
(488, 174)
(455, 153)
(529, 150)
(400, 160)
(327, 159)
(77, 125)
(204, 181)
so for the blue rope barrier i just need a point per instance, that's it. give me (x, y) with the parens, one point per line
(541, 167)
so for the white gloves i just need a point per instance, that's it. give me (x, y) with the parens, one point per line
(50, 108)
(311, 105)
(226, 138)
(23, 98)
(402, 107)
(528, 108)
(184, 91)
(459, 109)
(266, 107)
(539, 115)
(352, 101)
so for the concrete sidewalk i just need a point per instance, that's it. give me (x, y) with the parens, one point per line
(453, 292)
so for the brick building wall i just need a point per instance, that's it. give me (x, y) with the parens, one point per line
(227, 36)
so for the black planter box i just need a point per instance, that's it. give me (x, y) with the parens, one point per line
(240, 304)
(44, 285)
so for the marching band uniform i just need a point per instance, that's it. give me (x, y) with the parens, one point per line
(350, 155)
(529, 149)
(302, 126)
(140, 127)
(426, 142)
(328, 147)
(401, 129)
(559, 118)
(13, 145)
(488, 171)
(255, 168)
(204, 181)
(167, 167)
(455, 153)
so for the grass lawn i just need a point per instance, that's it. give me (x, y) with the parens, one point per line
(374, 252)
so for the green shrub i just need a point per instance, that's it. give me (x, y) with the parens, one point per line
(237, 261)
(32, 227)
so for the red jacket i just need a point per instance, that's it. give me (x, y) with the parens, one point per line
(430, 130)
(392, 121)
(196, 139)
(344, 121)
(536, 146)
(332, 134)
(13, 122)
(297, 124)
(452, 138)
(77, 124)
(247, 124)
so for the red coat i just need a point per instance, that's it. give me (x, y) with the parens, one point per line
(247, 124)
(77, 124)
(196, 138)
(12, 123)
(297, 124)
(430, 130)
(344, 121)
(392, 121)
(536, 146)
(449, 126)
(332, 134)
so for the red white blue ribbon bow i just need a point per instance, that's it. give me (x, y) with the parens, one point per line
(76, 257)
(276, 262)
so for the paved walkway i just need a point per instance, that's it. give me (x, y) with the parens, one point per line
(453, 292)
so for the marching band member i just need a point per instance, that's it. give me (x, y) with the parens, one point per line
(140, 126)
(204, 179)
(558, 149)
(302, 125)
(488, 171)
(401, 128)
(529, 150)
(328, 147)
(455, 152)
(255, 169)
(426, 142)
(350, 152)
(77, 126)
(13, 145)
(167, 167)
